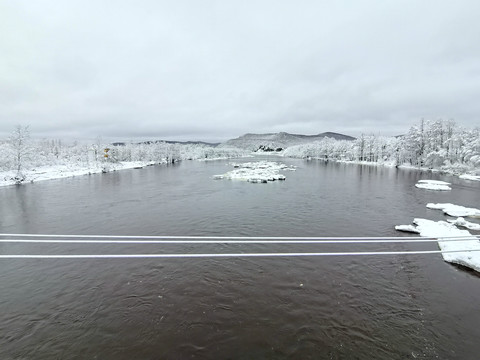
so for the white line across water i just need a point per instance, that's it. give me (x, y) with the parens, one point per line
(217, 255)
(143, 240)
(378, 241)
(195, 237)
(127, 239)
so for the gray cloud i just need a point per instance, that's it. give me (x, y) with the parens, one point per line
(213, 70)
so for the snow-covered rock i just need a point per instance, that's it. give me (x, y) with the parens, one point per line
(455, 210)
(452, 241)
(255, 172)
(433, 185)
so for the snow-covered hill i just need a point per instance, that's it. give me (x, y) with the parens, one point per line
(280, 140)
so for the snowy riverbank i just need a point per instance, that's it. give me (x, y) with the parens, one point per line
(454, 171)
(64, 171)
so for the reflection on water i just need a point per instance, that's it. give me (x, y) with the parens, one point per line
(392, 307)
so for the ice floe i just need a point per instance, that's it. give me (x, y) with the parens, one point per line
(464, 223)
(433, 185)
(448, 232)
(455, 210)
(470, 177)
(255, 172)
(407, 228)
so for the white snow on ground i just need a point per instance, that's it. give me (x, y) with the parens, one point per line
(256, 172)
(433, 185)
(443, 229)
(464, 223)
(64, 171)
(455, 210)
(470, 177)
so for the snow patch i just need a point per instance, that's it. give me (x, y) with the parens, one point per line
(443, 229)
(433, 185)
(455, 210)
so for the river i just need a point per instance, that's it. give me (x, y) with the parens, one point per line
(368, 307)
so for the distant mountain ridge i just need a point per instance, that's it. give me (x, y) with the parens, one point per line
(148, 142)
(281, 140)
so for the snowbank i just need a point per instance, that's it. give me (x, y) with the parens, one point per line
(443, 229)
(255, 172)
(433, 185)
(64, 171)
(455, 210)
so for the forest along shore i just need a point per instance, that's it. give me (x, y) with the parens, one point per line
(430, 145)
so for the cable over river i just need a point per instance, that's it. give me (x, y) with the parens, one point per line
(409, 304)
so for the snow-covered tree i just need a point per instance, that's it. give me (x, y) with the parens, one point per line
(436, 144)
(20, 150)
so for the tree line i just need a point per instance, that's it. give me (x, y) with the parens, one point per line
(439, 144)
(429, 144)
(21, 152)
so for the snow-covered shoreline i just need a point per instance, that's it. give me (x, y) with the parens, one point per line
(387, 163)
(391, 164)
(43, 173)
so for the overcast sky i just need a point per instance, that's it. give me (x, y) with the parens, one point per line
(214, 70)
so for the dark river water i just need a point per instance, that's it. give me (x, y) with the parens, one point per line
(368, 307)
